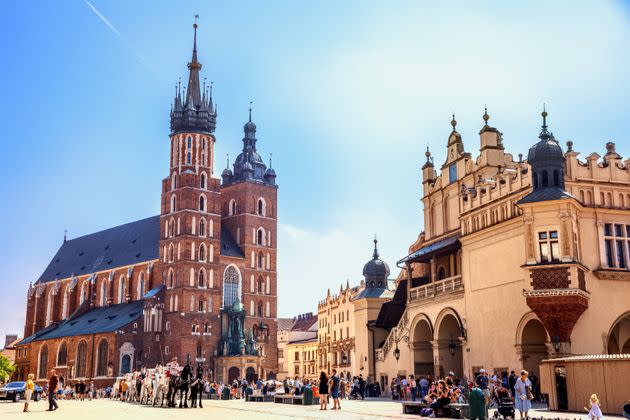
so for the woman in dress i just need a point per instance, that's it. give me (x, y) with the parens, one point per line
(323, 391)
(522, 393)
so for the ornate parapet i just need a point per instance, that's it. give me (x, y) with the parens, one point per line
(558, 309)
(611, 274)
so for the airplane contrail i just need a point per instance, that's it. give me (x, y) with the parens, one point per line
(103, 18)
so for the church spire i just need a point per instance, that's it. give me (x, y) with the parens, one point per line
(193, 95)
(193, 111)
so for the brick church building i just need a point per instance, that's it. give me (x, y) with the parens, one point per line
(196, 282)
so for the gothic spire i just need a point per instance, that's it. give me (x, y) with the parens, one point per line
(193, 96)
(193, 109)
(375, 254)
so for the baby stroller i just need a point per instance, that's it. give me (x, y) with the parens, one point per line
(506, 405)
(626, 411)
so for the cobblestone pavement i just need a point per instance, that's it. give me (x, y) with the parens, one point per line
(224, 410)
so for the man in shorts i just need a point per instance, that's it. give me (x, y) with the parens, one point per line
(334, 390)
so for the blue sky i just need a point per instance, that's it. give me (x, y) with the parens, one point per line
(347, 95)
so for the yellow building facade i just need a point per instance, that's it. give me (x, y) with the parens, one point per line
(518, 260)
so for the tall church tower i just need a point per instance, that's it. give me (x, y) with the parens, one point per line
(190, 225)
(249, 195)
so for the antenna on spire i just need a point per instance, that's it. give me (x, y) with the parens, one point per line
(375, 255)
(486, 117)
(211, 85)
(65, 235)
(270, 156)
(195, 27)
(453, 122)
(250, 110)
(228, 159)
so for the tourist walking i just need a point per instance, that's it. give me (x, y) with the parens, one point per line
(413, 386)
(53, 381)
(30, 388)
(523, 394)
(323, 391)
(334, 390)
(424, 387)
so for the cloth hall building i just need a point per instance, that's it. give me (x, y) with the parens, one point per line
(518, 261)
(196, 282)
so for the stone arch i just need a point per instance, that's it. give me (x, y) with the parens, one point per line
(420, 342)
(233, 373)
(618, 339)
(81, 360)
(531, 342)
(448, 335)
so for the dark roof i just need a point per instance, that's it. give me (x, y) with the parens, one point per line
(440, 245)
(303, 322)
(123, 245)
(229, 247)
(153, 292)
(545, 194)
(285, 324)
(373, 293)
(97, 320)
(127, 244)
(391, 312)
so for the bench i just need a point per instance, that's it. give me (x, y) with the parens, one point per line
(454, 411)
(292, 399)
(413, 407)
(260, 398)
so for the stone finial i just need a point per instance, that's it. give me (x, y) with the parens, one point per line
(569, 146)
(610, 147)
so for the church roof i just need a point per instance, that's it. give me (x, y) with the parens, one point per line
(97, 320)
(229, 247)
(127, 244)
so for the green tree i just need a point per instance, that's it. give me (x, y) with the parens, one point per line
(6, 368)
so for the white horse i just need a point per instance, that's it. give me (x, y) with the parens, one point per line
(146, 387)
(161, 390)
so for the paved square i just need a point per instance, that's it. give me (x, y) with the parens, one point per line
(224, 410)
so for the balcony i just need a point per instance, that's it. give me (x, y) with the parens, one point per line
(450, 286)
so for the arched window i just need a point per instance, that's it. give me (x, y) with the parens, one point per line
(232, 207)
(206, 327)
(556, 178)
(231, 286)
(261, 207)
(173, 181)
(81, 359)
(202, 227)
(267, 310)
(261, 286)
(103, 296)
(202, 203)
(260, 309)
(121, 289)
(441, 273)
(42, 372)
(260, 236)
(199, 353)
(202, 252)
(195, 327)
(251, 308)
(201, 278)
(62, 354)
(203, 181)
(171, 279)
(261, 260)
(171, 228)
(171, 253)
(173, 203)
(141, 286)
(49, 307)
(545, 179)
(201, 305)
(188, 150)
(101, 358)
